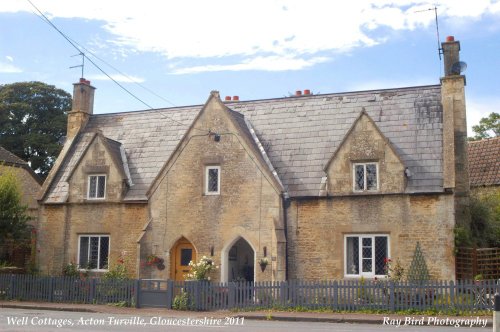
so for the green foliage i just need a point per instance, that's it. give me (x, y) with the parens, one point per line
(33, 121)
(485, 222)
(118, 271)
(395, 271)
(462, 237)
(485, 219)
(488, 127)
(182, 301)
(4, 264)
(13, 216)
(72, 270)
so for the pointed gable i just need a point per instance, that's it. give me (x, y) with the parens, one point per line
(216, 119)
(364, 145)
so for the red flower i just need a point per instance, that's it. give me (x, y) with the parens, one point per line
(120, 260)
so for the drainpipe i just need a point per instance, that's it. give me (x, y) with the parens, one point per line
(286, 203)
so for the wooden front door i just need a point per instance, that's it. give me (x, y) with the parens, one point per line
(183, 253)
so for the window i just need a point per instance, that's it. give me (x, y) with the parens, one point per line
(212, 180)
(93, 252)
(365, 255)
(365, 176)
(97, 187)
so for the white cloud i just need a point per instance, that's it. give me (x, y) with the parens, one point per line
(118, 78)
(8, 57)
(256, 31)
(270, 63)
(8, 68)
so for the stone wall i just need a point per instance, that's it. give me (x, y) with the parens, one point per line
(249, 205)
(316, 230)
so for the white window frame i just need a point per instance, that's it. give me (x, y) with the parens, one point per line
(360, 255)
(207, 170)
(365, 177)
(99, 251)
(97, 186)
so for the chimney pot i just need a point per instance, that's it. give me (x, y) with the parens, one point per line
(298, 93)
(236, 98)
(307, 92)
(450, 39)
(227, 98)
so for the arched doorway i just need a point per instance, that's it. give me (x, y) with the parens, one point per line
(240, 260)
(181, 254)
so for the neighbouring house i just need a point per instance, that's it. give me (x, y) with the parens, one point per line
(29, 185)
(322, 186)
(484, 165)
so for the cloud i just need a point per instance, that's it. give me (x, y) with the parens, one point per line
(269, 63)
(118, 78)
(257, 31)
(8, 68)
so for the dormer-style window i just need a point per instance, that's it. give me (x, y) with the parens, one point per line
(97, 187)
(365, 177)
(212, 180)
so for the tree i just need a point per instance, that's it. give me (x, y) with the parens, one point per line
(33, 119)
(13, 216)
(487, 127)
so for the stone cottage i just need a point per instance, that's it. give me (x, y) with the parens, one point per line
(321, 186)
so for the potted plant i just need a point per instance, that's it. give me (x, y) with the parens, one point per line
(263, 263)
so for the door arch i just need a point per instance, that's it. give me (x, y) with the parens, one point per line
(238, 261)
(181, 254)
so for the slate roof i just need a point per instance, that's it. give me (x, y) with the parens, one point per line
(298, 134)
(484, 162)
(9, 157)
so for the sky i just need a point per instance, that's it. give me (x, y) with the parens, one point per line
(173, 53)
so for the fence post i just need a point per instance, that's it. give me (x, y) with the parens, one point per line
(51, 289)
(231, 290)
(335, 295)
(137, 294)
(392, 296)
(496, 314)
(452, 293)
(11, 287)
(92, 291)
(170, 293)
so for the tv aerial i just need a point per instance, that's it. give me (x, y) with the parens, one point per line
(440, 50)
(83, 62)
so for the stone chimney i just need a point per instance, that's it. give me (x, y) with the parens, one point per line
(455, 163)
(83, 107)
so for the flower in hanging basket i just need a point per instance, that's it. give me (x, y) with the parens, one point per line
(263, 263)
(153, 260)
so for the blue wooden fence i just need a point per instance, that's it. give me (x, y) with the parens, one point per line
(66, 289)
(343, 295)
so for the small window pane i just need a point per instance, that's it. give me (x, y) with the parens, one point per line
(213, 180)
(92, 186)
(101, 186)
(104, 250)
(186, 256)
(367, 265)
(359, 177)
(94, 252)
(371, 176)
(381, 253)
(352, 255)
(84, 252)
